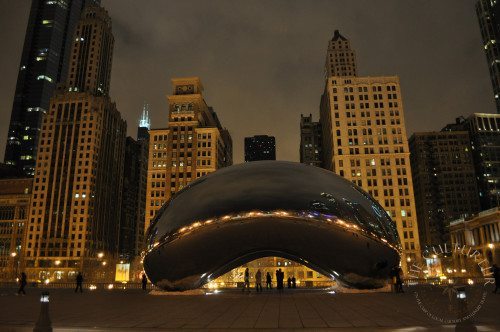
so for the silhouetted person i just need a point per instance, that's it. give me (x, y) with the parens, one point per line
(269, 281)
(247, 280)
(289, 282)
(496, 275)
(22, 283)
(79, 282)
(399, 280)
(144, 281)
(279, 279)
(294, 282)
(258, 281)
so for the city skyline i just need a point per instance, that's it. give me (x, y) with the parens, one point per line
(253, 78)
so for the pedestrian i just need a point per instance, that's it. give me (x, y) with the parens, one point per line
(399, 280)
(289, 282)
(22, 283)
(269, 281)
(294, 282)
(496, 276)
(279, 280)
(144, 281)
(258, 281)
(246, 280)
(79, 282)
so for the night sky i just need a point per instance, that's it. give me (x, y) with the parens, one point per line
(261, 62)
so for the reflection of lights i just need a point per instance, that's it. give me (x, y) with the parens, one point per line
(100, 255)
(13, 254)
(449, 270)
(92, 287)
(104, 263)
(46, 281)
(434, 256)
(57, 262)
(331, 292)
(463, 270)
(491, 245)
(110, 286)
(470, 281)
(408, 259)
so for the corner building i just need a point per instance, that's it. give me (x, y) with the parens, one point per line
(193, 145)
(364, 140)
(73, 224)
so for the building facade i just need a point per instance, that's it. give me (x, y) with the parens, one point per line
(44, 63)
(444, 182)
(488, 14)
(484, 133)
(260, 147)
(310, 141)
(364, 140)
(15, 196)
(192, 145)
(480, 232)
(340, 58)
(73, 225)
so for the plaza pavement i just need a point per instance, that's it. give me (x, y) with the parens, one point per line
(305, 310)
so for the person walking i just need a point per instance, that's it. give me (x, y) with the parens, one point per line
(279, 278)
(269, 281)
(144, 281)
(22, 283)
(79, 282)
(246, 280)
(496, 276)
(399, 280)
(294, 282)
(289, 282)
(258, 281)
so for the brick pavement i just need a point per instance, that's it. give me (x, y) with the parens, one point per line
(118, 310)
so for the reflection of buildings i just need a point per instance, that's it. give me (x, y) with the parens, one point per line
(310, 141)
(443, 180)
(15, 195)
(193, 144)
(44, 63)
(481, 232)
(364, 138)
(484, 133)
(488, 14)
(260, 147)
(73, 222)
(305, 277)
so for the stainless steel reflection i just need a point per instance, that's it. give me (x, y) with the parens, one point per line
(271, 208)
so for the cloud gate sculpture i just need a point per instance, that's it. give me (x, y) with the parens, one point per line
(271, 208)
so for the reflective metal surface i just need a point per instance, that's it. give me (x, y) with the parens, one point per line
(271, 208)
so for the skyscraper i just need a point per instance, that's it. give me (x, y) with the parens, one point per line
(488, 14)
(310, 141)
(340, 58)
(364, 140)
(192, 145)
(44, 63)
(444, 182)
(484, 133)
(73, 223)
(260, 147)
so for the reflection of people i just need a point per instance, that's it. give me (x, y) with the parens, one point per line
(496, 275)
(22, 283)
(247, 280)
(269, 284)
(294, 282)
(144, 281)
(399, 280)
(289, 282)
(280, 275)
(258, 281)
(79, 282)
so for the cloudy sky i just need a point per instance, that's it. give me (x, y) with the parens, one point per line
(261, 62)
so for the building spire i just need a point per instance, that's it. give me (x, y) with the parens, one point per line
(145, 121)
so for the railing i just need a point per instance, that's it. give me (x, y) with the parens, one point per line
(85, 285)
(447, 281)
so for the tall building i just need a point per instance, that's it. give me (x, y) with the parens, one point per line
(15, 196)
(488, 14)
(73, 223)
(260, 147)
(484, 133)
(444, 182)
(44, 63)
(133, 210)
(364, 140)
(310, 141)
(192, 145)
(340, 58)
